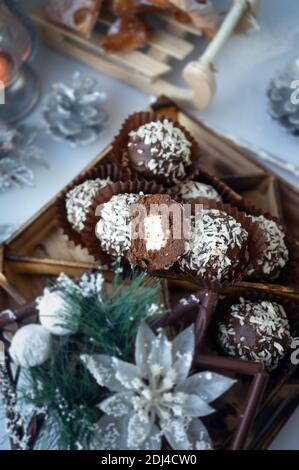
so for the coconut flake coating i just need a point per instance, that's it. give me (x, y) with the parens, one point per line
(194, 189)
(114, 227)
(216, 245)
(276, 254)
(256, 331)
(159, 149)
(79, 199)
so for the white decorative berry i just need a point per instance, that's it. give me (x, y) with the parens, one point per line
(54, 312)
(31, 346)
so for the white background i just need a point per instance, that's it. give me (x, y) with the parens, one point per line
(245, 68)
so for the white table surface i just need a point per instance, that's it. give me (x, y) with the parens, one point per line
(245, 67)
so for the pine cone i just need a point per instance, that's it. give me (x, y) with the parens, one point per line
(75, 112)
(281, 95)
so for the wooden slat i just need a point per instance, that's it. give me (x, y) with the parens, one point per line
(167, 43)
(135, 60)
(46, 266)
(172, 45)
(186, 27)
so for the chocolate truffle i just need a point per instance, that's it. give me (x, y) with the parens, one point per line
(276, 254)
(256, 331)
(217, 246)
(114, 227)
(79, 199)
(160, 151)
(194, 190)
(157, 232)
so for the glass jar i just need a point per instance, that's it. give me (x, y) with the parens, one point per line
(19, 88)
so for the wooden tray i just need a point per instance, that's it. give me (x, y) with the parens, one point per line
(39, 251)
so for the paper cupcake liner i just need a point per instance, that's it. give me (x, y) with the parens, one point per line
(255, 246)
(136, 120)
(289, 275)
(290, 305)
(102, 171)
(229, 196)
(91, 242)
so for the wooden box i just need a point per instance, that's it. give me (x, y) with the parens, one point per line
(39, 251)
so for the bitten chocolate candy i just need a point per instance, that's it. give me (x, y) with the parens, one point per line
(158, 236)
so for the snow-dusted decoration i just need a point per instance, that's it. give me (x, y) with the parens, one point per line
(54, 312)
(75, 112)
(31, 346)
(14, 422)
(91, 284)
(156, 396)
(17, 155)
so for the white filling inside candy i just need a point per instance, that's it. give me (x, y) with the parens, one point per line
(155, 237)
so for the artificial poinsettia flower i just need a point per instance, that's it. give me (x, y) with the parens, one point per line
(156, 396)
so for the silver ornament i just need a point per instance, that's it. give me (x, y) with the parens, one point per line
(75, 112)
(283, 99)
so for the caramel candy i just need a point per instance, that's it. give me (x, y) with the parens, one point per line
(78, 15)
(128, 32)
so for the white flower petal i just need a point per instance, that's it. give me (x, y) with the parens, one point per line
(183, 352)
(207, 385)
(160, 353)
(127, 374)
(199, 436)
(144, 339)
(117, 405)
(153, 442)
(139, 428)
(175, 433)
(182, 367)
(184, 343)
(101, 368)
(110, 434)
(195, 407)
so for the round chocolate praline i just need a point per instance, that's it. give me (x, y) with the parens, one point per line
(195, 189)
(114, 227)
(159, 150)
(256, 331)
(79, 199)
(217, 246)
(276, 254)
(158, 236)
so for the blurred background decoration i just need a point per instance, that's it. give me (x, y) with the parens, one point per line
(283, 97)
(75, 112)
(21, 86)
